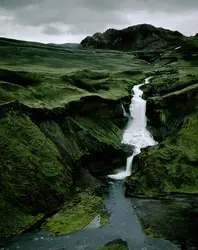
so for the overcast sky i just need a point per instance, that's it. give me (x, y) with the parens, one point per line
(62, 21)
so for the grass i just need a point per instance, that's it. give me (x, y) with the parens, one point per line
(47, 76)
(30, 169)
(56, 91)
(40, 58)
(76, 214)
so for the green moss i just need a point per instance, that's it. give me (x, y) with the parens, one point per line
(101, 128)
(152, 233)
(115, 245)
(77, 214)
(14, 221)
(50, 76)
(54, 90)
(81, 135)
(30, 171)
(164, 115)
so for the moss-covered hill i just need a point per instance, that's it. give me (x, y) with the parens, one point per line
(138, 37)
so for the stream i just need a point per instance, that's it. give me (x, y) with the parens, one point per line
(123, 223)
(136, 133)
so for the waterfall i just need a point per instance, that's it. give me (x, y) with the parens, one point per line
(136, 133)
(124, 111)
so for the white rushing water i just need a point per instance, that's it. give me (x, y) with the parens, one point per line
(136, 133)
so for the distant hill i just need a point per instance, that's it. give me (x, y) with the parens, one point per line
(138, 37)
(72, 45)
(4, 41)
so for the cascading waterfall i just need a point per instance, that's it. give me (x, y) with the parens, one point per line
(136, 133)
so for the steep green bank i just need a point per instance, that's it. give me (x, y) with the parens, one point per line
(43, 151)
(33, 178)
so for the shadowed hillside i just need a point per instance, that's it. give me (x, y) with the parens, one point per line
(139, 37)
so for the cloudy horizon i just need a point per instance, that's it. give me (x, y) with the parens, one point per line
(64, 21)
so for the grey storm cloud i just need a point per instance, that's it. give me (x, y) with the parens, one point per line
(51, 30)
(172, 5)
(84, 17)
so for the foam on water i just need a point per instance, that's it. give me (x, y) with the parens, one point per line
(136, 133)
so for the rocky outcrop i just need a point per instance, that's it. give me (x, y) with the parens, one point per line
(137, 37)
(179, 210)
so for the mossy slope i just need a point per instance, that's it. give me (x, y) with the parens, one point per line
(33, 179)
(76, 214)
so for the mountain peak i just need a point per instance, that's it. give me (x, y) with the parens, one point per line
(138, 37)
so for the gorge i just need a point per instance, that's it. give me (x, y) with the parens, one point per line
(67, 126)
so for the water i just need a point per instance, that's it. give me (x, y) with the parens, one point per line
(123, 224)
(136, 133)
(124, 111)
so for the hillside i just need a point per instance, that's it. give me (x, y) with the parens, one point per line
(139, 37)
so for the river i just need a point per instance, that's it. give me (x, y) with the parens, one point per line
(123, 223)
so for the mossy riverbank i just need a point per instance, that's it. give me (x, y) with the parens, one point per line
(115, 245)
(76, 214)
(171, 166)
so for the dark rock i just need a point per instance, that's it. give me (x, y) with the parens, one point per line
(137, 37)
(177, 210)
